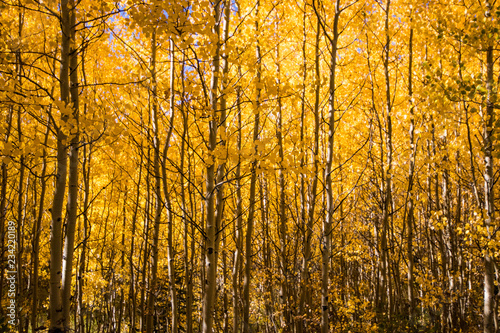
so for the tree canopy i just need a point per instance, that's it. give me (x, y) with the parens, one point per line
(249, 166)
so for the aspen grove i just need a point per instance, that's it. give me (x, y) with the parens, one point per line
(249, 166)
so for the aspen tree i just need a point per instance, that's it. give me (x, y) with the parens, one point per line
(20, 214)
(221, 169)
(56, 307)
(253, 180)
(158, 205)
(271, 324)
(121, 299)
(133, 289)
(144, 308)
(86, 170)
(186, 211)
(282, 218)
(37, 226)
(72, 205)
(238, 226)
(316, 157)
(306, 221)
(387, 182)
(85, 231)
(212, 229)
(326, 232)
(489, 313)
(411, 174)
(168, 201)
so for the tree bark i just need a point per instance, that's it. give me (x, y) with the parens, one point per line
(221, 169)
(146, 248)
(133, 290)
(37, 226)
(186, 212)
(282, 218)
(158, 205)
(326, 237)
(55, 305)
(168, 202)
(304, 270)
(253, 181)
(72, 204)
(81, 309)
(238, 227)
(20, 202)
(211, 229)
(387, 203)
(411, 172)
(489, 313)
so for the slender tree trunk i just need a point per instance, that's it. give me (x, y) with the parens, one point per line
(212, 229)
(20, 211)
(221, 169)
(121, 287)
(306, 290)
(326, 242)
(133, 290)
(238, 227)
(158, 206)
(459, 284)
(270, 300)
(81, 309)
(168, 203)
(410, 208)
(55, 305)
(82, 263)
(489, 313)
(430, 233)
(306, 249)
(186, 212)
(253, 181)
(20, 223)
(380, 287)
(145, 255)
(37, 226)
(72, 211)
(386, 284)
(282, 218)
(238, 222)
